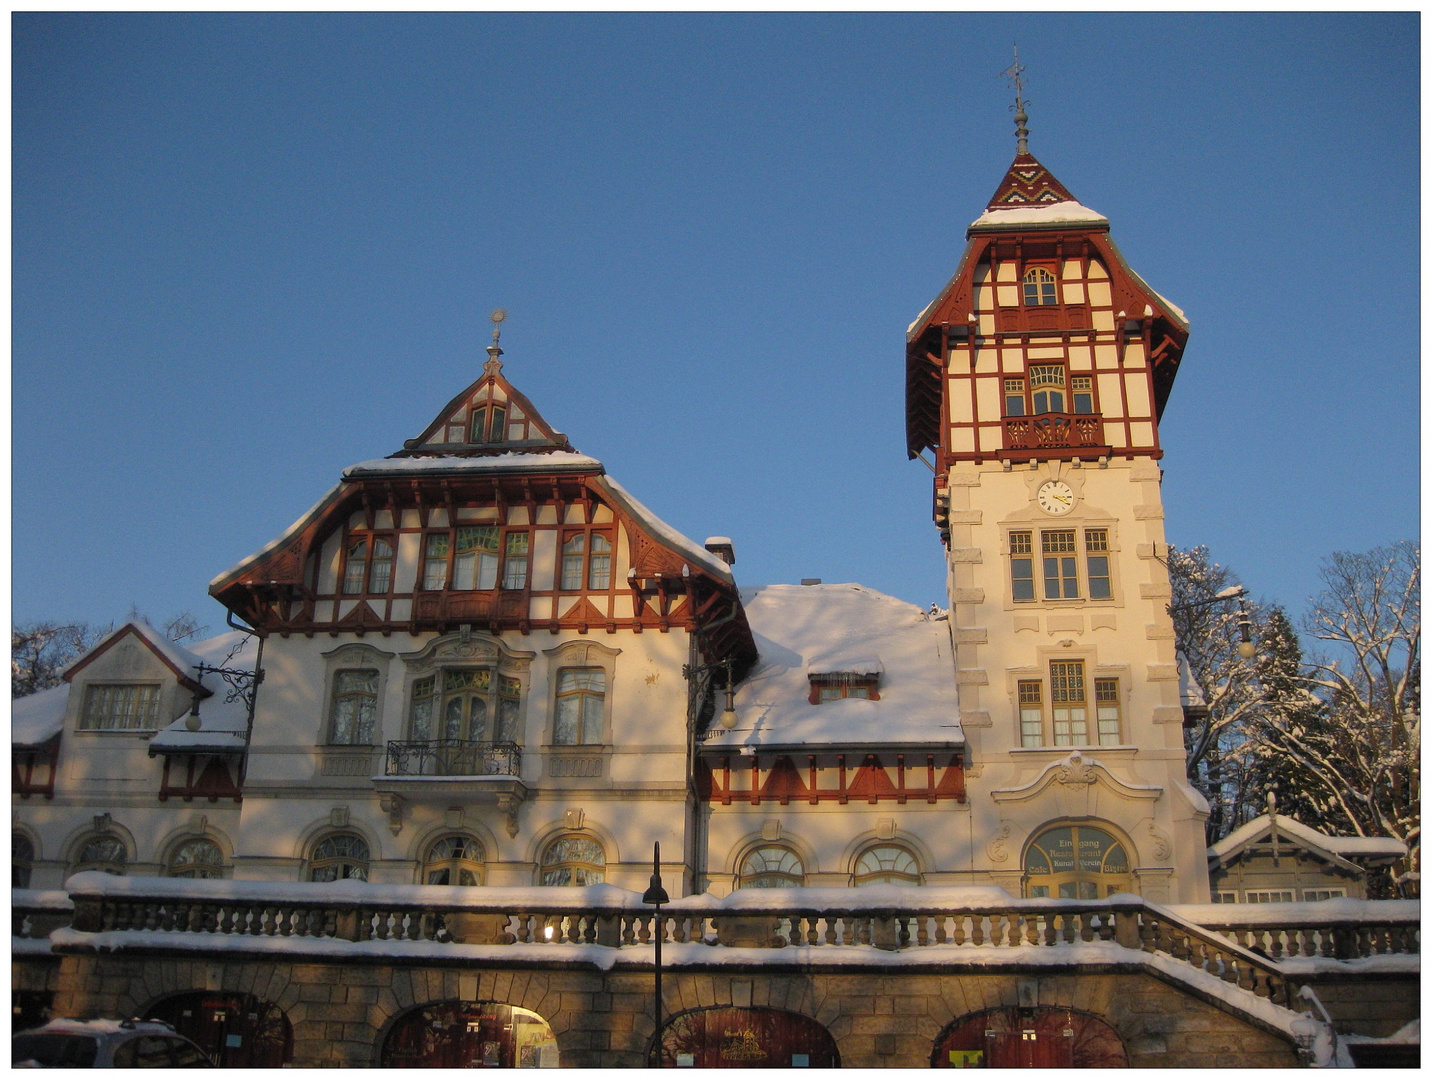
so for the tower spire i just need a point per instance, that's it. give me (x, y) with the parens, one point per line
(494, 365)
(1021, 119)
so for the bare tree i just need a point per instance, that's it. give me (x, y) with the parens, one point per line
(40, 651)
(1356, 758)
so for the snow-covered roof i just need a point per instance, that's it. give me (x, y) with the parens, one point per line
(176, 656)
(39, 717)
(1190, 694)
(805, 630)
(1048, 215)
(1344, 847)
(663, 532)
(512, 462)
(223, 723)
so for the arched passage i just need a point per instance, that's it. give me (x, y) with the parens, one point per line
(469, 1034)
(745, 1038)
(239, 1031)
(1048, 1038)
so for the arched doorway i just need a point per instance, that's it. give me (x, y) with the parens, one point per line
(1076, 862)
(734, 1038)
(239, 1031)
(1029, 1039)
(469, 1035)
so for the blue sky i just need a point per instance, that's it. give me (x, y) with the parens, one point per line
(249, 250)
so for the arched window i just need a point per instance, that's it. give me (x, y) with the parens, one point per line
(1039, 288)
(106, 853)
(1076, 862)
(454, 860)
(355, 705)
(574, 860)
(1046, 384)
(581, 705)
(886, 864)
(339, 856)
(770, 867)
(22, 860)
(197, 858)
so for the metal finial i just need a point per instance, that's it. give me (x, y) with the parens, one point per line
(494, 365)
(1021, 132)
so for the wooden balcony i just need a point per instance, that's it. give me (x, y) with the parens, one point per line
(452, 607)
(1050, 319)
(1031, 436)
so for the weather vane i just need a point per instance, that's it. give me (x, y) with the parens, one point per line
(494, 365)
(1021, 118)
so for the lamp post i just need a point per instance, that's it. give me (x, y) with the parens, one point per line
(1246, 649)
(656, 896)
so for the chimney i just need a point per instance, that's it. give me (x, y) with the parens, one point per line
(722, 548)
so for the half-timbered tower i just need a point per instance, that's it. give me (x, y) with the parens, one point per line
(1037, 378)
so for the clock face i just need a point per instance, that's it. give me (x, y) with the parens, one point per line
(1056, 497)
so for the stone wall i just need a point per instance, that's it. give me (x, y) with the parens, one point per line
(342, 1011)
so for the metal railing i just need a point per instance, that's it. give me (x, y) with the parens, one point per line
(453, 757)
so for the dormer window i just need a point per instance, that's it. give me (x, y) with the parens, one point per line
(835, 685)
(481, 431)
(1039, 288)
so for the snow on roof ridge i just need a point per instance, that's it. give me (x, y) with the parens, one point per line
(1337, 845)
(438, 462)
(1069, 210)
(667, 534)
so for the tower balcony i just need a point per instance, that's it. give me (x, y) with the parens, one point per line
(1032, 436)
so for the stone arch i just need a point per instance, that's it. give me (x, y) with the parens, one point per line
(166, 847)
(478, 830)
(102, 825)
(749, 1036)
(238, 1030)
(316, 830)
(1044, 1036)
(485, 1032)
(545, 834)
(754, 839)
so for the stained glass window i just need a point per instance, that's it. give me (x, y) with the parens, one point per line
(475, 559)
(454, 860)
(886, 864)
(106, 853)
(771, 867)
(1066, 693)
(338, 857)
(574, 860)
(197, 858)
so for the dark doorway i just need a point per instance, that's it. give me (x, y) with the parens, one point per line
(469, 1035)
(1030, 1039)
(239, 1031)
(732, 1038)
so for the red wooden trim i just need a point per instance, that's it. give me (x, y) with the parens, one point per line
(870, 781)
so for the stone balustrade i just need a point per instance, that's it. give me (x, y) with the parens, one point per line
(36, 912)
(1327, 929)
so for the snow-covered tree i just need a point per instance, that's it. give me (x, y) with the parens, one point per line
(1355, 759)
(1235, 689)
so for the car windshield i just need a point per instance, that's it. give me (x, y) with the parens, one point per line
(55, 1051)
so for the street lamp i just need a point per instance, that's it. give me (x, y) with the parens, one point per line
(656, 896)
(1246, 649)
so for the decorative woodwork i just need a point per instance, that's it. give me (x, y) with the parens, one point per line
(33, 769)
(757, 778)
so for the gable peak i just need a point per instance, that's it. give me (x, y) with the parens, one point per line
(1028, 183)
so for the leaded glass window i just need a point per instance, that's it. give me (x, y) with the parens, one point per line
(581, 705)
(129, 707)
(355, 706)
(574, 860)
(454, 860)
(1039, 288)
(1106, 705)
(197, 858)
(514, 566)
(1096, 547)
(435, 560)
(1047, 383)
(339, 857)
(465, 694)
(475, 559)
(1066, 695)
(1081, 388)
(1031, 712)
(1076, 862)
(106, 853)
(478, 430)
(1013, 397)
(886, 864)
(1061, 573)
(509, 700)
(498, 432)
(770, 867)
(424, 699)
(355, 567)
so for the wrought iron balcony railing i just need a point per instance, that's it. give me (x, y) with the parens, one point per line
(453, 757)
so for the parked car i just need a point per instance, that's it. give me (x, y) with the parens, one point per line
(106, 1044)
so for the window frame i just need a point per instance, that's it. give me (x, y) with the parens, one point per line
(501, 557)
(339, 859)
(118, 867)
(1070, 677)
(840, 685)
(548, 868)
(1046, 286)
(450, 863)
(1084, 567)
(746, 878)
(219, 866)
(580, 565)
(337, 695)
(21, 862)
(582, 695)
(883, 876)
(1020, 545)
(1108, 685)
(87, 715)
(502, 704)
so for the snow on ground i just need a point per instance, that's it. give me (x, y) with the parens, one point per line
(805, 630)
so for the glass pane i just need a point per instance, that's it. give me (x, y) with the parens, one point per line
(355, 568)
(463, 567)
(477, 721)
(564, 731)
(452, 719)
(435, 562)
(486, 570)
(1022, 578)
(498, 432)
